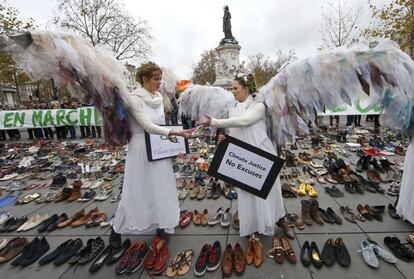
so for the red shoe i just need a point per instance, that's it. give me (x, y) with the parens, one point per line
(162, 260)
(152, 253)
(185, 219)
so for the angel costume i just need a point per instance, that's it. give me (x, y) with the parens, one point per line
(247, 123)
(149, 198)
(405, 206)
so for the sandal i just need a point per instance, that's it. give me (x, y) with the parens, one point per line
(181, 264)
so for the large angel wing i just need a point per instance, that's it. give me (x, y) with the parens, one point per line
(302, 89)
(75, 64)
(198, 100)
(168, 82)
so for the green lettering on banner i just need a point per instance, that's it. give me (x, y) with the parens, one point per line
(48, 120)
(69, 120)
(378, 108)
(338, 109)
(97, 117)
(19, 117)
(361, 109)
(85, 120)
(37, 118)
(8, 117)
(60, 117)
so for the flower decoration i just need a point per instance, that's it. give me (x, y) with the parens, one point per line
(245, 81)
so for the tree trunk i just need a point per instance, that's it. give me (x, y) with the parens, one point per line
(17, 88)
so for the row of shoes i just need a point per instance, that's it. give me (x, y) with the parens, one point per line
(202, 218)
(333, 251)
(311, 212)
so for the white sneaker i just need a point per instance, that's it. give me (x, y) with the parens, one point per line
(4, 216)
(3, 243)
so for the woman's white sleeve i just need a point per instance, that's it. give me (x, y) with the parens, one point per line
(136, 109)
(252, 115)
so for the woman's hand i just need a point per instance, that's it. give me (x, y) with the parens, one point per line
(206, 123)
(184, 133)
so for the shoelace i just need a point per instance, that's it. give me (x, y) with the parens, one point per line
(213, 255)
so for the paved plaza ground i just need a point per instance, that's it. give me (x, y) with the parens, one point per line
(194, 238)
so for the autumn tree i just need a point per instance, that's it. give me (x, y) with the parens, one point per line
(394, 21)
(10, 21)
(106, 22)
(340, 25)
(204, 71)
(264, 67)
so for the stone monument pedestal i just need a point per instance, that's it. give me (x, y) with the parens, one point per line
(228, 63)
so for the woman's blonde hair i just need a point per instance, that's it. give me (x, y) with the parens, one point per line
(148, 70)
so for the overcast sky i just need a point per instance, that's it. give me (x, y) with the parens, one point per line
(182, 29)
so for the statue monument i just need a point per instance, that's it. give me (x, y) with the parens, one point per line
(228, 54)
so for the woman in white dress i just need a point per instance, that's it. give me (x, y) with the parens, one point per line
(247, 123)
(405, 205)
(149, 196)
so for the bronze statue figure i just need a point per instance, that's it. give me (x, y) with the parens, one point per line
(227, 24)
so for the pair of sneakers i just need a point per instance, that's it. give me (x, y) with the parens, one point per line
(222, 217)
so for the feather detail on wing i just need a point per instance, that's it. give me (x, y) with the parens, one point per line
(304, 88)
(82, 69)
(198, 100)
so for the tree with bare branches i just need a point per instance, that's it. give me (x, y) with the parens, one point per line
(106, 22)
(340, 24)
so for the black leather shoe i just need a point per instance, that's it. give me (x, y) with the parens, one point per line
(39, 250)
(315, 255)
(326, 217)
(393, 211)
(335, 216)
(100, 261)
(117, 253)
(341, 253)
(359, 164)
(16, 224)
(368, 186)
(55, 253)
(328, 252)
(305, 254)
(68, 252)
(115, 239)
(27, 252)
(46, 223)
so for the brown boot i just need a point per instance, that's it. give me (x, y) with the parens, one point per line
(283, 224)
(258, 252)
(314, 212)
(76, 191)
(306, 206)
(64, 194)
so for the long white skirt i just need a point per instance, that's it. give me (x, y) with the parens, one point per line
(259, 215)
(149, 195)
(405, 206)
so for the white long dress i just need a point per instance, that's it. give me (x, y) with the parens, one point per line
(149, 196)
(247, 123)
(405, 206)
